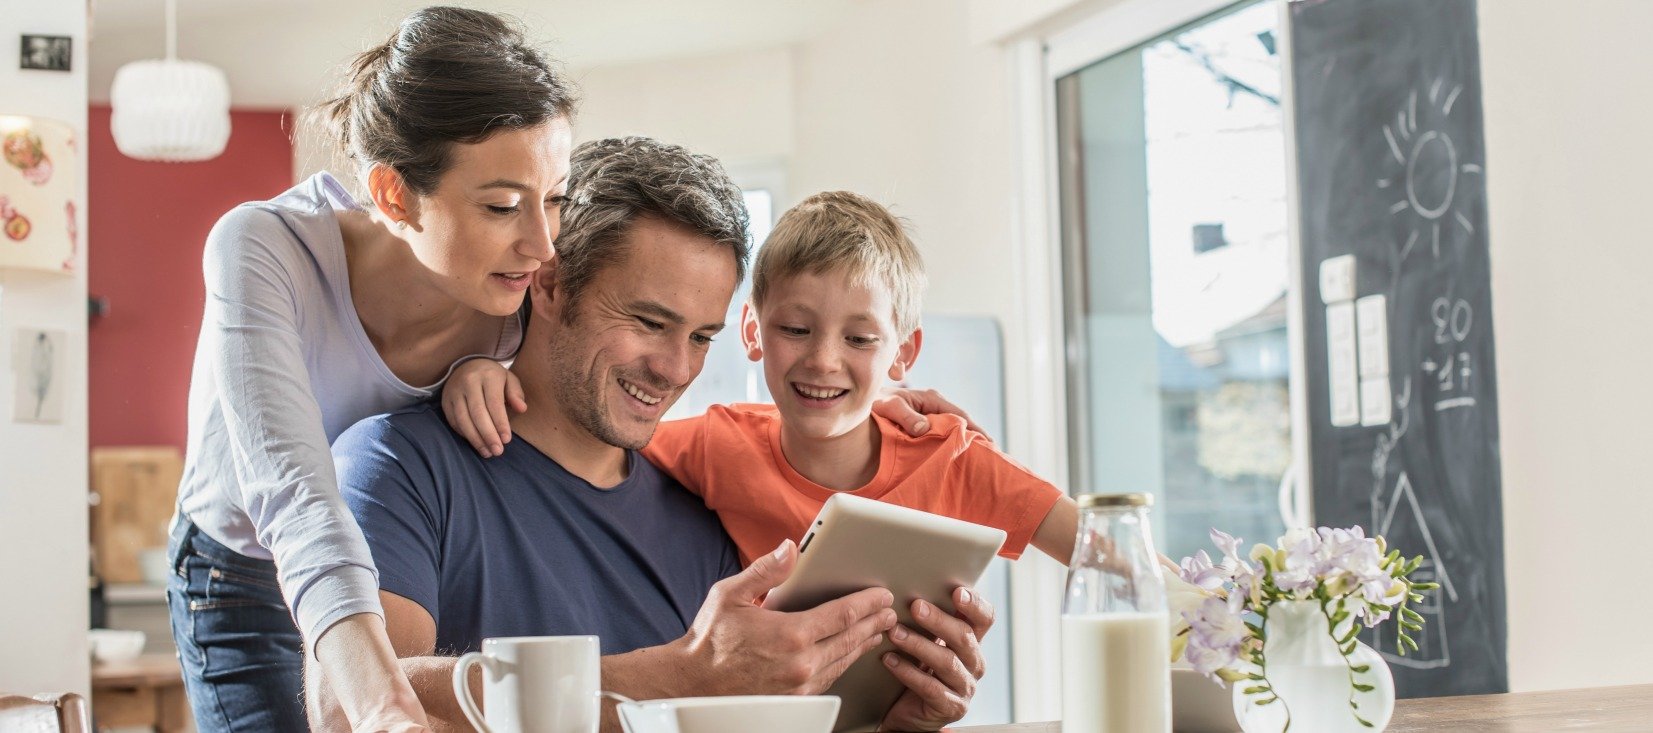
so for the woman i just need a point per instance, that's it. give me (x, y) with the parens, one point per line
(322, 311)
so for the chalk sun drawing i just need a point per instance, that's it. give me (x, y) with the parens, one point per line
(1429, 168)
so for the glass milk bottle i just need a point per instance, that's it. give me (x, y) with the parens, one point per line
(1116, 657)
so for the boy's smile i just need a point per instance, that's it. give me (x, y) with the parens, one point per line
(828, 344)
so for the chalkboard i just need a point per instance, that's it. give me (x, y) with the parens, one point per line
(1402, 389)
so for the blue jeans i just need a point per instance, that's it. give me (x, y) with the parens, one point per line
(242, 655)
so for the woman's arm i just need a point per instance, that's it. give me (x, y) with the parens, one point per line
(283, 466)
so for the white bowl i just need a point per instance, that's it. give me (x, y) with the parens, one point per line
(731, 714)
(115, 645)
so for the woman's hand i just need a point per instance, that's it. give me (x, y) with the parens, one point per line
(475, 401)
(353, 682)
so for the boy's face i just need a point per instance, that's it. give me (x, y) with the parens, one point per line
(827, 344)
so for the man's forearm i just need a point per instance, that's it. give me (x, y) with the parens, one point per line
(652, 673)
(432, 679)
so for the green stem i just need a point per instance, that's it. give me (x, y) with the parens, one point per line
(1262, 667)
(1348, 663)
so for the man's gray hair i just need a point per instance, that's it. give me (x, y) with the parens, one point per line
(614, 182)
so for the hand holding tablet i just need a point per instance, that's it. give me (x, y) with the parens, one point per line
(858, 543)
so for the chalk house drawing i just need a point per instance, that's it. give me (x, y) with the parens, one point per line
(1395, 510)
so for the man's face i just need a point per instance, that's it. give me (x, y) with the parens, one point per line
(640, 331)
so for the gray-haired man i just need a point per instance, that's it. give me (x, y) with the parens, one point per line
(570, 531)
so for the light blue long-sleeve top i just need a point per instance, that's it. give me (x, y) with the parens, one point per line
(283, 366)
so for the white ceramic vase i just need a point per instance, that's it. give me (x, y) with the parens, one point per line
(1312, 678)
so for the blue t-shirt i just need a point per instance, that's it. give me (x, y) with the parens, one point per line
(518, 546)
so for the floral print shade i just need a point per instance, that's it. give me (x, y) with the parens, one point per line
(37, 194)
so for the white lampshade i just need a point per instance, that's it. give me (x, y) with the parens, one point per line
(170, 110)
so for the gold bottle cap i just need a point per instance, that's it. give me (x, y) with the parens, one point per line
(1089, 501)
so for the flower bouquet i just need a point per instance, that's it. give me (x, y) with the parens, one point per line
(1283, 621)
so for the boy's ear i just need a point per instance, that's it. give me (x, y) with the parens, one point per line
(391, 196)
(749, 332)
(907, 355)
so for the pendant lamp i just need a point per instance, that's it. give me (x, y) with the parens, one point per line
(170, 110)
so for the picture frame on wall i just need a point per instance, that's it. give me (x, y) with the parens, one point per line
(46, 53)
(39, 179)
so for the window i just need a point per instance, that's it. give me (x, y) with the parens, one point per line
(1175, 260)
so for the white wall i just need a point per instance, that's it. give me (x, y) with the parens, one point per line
(43, 571)
(1568, 98)
(737, 107)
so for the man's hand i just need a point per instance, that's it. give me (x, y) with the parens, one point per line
(738, 647)
(908, 407)
(948, 650)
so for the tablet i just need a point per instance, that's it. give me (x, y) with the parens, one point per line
(858, 543)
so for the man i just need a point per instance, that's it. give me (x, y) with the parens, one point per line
(569, 531)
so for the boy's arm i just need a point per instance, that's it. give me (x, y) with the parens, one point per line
(1060, 528)
(999, 492)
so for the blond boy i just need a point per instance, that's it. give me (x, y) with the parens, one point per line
(834, 315)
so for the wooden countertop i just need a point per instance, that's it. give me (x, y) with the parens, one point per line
(1626, 709)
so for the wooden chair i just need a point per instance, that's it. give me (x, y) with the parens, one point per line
(44, 714)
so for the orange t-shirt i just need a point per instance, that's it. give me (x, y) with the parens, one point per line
(731, 457)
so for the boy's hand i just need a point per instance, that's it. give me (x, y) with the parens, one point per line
(475, 401)
(907, 408)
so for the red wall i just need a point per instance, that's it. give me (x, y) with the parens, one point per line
(147, 223)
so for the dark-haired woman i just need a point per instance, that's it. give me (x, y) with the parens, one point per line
(321, 311)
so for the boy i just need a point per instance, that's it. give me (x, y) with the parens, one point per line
(834, 313)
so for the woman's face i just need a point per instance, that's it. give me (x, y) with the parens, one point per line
(491, 220)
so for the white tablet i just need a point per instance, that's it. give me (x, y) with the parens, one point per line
(858, 543)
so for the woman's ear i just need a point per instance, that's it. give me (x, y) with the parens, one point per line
(391, 196)
(906, 356)
(749, 332)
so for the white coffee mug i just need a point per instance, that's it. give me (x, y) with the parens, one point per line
(538, 684)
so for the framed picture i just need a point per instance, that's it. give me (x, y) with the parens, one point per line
(38, 184)
(38, 361)
(47, 53)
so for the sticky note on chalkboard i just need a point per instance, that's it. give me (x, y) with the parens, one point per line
(1337, 279)
(1343, 375)
(1374, 401)
(1372, 330)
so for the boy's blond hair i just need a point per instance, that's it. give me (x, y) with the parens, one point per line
(837, 231)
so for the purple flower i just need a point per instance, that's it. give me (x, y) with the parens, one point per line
(1217, 633)
(1198, 570)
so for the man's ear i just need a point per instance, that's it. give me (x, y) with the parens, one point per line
(392, 197)
(749, 332)
(907, 355)
(543, 291)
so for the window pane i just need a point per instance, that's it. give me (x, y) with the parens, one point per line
(1175, 232)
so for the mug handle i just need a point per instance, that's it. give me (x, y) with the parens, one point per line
(462, 689)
